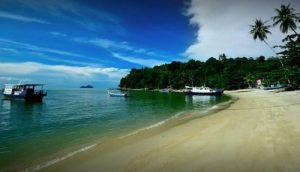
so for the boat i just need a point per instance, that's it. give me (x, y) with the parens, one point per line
(27, 92)
(165, 90)
(202, 91)
(114, 94)
(274, 87)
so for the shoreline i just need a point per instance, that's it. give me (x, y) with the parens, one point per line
(178, 119)
(259, 132)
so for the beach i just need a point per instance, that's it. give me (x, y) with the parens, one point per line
(259, 131)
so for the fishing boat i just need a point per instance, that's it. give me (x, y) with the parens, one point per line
(202, 91)
(119, 94)
(27, 92)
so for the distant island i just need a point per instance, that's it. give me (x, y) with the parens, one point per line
(87, 86)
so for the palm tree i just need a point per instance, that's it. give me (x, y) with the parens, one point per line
(260, 30)
(287, 19)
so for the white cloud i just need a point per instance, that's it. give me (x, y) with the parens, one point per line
(115, 45)
(223, 27)
(9, 50)
(59, 34)
(106, 43)
(117, 50)
(12, 16)
(20, 45)
(141, 61)
(28, 68)
(12, 47)
(78, 13)
(60, 76)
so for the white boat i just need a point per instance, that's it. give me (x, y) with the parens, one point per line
(114, 94)
(165, 90)
(274, 88)
(202, 91)
(27, 92)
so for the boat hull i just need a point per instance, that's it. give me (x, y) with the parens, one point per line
(118, 95)
(31, 98)
(214, 93)
(16, 97)
(273, 88)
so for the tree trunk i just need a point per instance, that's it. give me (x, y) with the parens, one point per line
(294, 31)
(279, 58)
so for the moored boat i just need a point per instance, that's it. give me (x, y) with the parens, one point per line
(114, 94)
(165, 90)
(202, 91)
(27, 92)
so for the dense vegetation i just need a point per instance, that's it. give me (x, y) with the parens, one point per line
(232, 73)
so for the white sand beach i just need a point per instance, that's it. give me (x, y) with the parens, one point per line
(258, 132)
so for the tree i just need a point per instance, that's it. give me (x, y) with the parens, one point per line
(261, 59)
(249, 78)
(222, 57)
(286, 18)
(260, 30)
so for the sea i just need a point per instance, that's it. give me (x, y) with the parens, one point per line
(73, 120)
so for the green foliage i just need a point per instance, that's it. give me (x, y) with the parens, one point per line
(259, 30)
(286, 18)
(226, 73)
(291, 54)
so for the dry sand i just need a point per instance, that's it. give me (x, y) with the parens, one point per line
(259, 132)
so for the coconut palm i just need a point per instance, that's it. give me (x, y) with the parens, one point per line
(286, 18)
(260, 30)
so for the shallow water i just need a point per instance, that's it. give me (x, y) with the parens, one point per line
(29, 131)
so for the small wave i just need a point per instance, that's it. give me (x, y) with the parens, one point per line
(143, 129)
(202, 112)
(152, 126)
(54, 161)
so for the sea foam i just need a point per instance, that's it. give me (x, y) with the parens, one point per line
(54, 161)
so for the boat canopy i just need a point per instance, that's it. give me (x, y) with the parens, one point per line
(23, 85)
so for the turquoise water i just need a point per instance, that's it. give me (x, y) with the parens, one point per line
(68, 118)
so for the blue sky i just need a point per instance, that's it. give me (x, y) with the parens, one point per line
(103, 34)
(74, 42)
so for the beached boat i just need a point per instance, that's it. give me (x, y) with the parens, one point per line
(114, 94)
(275, 88)
(202, 91)
(27, 92)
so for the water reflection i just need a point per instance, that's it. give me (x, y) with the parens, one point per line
(201, 101)
(5, 104)
(15, 112)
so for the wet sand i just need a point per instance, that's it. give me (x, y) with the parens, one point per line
(258, 132)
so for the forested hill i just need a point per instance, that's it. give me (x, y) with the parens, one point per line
(228, 73)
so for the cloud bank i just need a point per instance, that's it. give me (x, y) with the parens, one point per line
(62, 74)
(223, 27)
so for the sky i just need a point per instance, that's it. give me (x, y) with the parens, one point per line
(66, 44)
